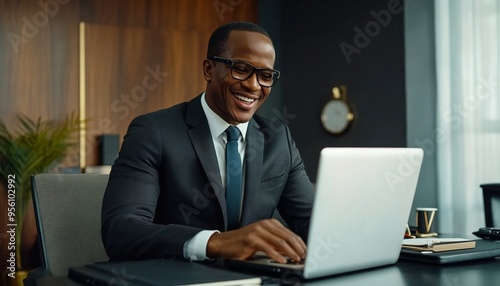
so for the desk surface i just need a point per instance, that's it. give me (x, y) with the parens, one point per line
(413, 273)
(404, 273)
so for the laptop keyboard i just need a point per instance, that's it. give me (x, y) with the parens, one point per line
(290, 261)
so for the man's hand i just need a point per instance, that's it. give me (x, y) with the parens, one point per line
(269, 236)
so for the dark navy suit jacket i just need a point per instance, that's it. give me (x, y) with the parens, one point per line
(165, 186)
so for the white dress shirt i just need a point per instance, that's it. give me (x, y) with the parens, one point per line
(195, 248)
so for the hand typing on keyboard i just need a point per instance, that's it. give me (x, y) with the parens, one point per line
(290, 261)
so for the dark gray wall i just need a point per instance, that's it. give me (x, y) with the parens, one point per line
(270, 19)
(310, 35)
(391, 81)
(421, 95)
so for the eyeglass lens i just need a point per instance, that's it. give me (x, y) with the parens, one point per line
(243, 71)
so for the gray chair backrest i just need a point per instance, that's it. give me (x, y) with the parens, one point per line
(491, 197)
(68, 218)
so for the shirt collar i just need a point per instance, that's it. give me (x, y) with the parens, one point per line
(217, 124)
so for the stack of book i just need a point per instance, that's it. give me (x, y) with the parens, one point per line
(438, 244)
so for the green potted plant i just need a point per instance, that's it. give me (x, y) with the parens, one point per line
(34, 147)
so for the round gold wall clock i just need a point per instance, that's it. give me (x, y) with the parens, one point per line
(337, 114)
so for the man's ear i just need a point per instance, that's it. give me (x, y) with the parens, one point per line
(207, 70)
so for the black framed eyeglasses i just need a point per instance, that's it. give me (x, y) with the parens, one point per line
(241, 70)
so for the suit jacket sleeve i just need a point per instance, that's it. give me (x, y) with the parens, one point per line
(296, 202)
(130, 201)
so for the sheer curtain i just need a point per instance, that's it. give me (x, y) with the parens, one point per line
(468, 109)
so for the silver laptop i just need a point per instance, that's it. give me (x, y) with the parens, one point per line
(362, 205)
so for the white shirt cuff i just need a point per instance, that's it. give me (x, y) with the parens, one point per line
(195, 249)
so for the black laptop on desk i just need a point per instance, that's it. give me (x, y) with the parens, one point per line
(484, 249)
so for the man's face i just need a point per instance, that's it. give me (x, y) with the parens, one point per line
(234, 100)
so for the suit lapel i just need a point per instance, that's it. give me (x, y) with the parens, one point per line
(202, 141)
(254, 154)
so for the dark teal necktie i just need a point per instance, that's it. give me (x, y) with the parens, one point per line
(233, 178)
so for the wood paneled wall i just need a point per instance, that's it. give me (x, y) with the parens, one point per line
(38, 59)
(39, 52)
(127, 77)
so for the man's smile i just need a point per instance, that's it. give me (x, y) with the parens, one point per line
(244, 98)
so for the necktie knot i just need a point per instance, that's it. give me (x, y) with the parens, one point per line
(233, 133)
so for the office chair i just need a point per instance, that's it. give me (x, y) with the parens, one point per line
(491, 197)
(68, 220)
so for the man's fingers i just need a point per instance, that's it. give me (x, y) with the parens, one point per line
(264, 246)
(269, 236)
(283, 240)
(293, 240)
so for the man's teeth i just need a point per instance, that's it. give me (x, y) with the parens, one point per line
(246, 99)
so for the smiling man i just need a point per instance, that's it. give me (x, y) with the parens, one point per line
(204, 178)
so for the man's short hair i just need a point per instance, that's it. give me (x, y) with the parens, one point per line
(218, 40)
